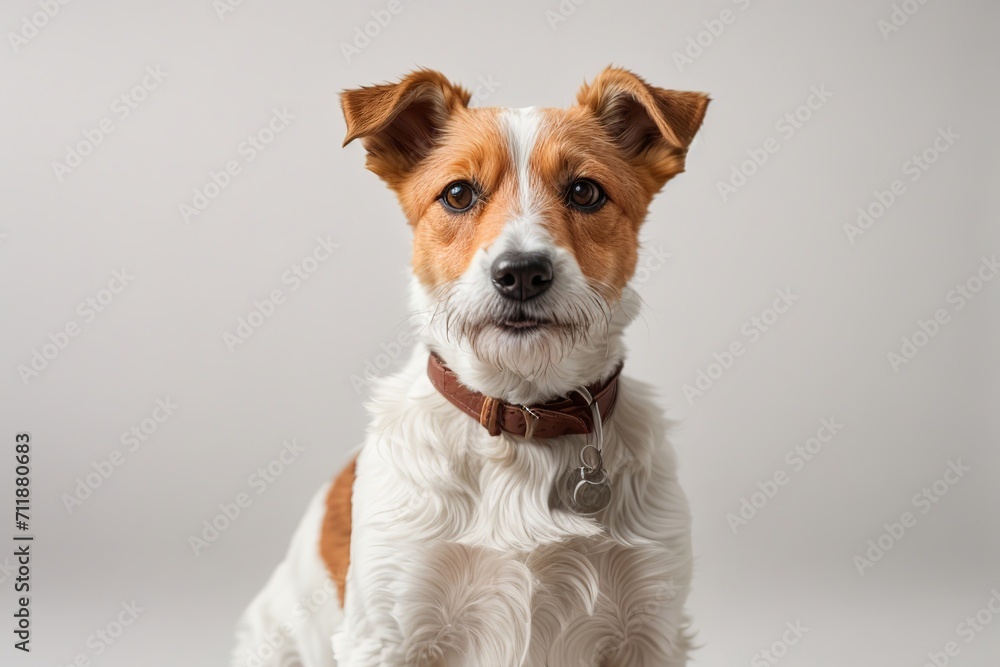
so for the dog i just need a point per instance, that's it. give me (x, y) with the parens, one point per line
(515, 502)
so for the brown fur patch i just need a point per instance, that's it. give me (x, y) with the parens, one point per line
(399, 123)
(639, 113)
(473, 149)
(628, 136)
(605, 242)
(335, 536)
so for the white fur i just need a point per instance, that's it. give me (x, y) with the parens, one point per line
(291, 619)
(522, 127)
(459, 555)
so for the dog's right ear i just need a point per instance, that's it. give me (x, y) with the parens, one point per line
(399, 123)
(652, 126)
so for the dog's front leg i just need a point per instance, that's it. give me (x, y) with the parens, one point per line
(437, 605)
(637, 620)
(462, 605)
(644, 594)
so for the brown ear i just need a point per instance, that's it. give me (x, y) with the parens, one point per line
(399, 123)
(652, 126)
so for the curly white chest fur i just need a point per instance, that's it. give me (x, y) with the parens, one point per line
(461, 555)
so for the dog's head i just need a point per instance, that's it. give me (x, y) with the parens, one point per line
(526, 221)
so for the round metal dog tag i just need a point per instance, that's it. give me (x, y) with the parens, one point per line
(588, 490)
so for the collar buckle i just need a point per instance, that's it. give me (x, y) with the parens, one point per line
(530, 420)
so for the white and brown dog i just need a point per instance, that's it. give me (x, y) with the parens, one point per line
(516, 500)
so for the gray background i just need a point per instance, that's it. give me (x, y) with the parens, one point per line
(826, 357)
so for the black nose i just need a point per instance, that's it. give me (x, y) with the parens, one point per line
(522, 276)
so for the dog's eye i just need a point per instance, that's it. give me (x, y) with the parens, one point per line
(459, 197)
(586, 195)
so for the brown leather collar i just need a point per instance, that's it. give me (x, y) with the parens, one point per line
(563, 416)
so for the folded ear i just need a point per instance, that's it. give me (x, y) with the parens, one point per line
(399, 123)
(652, 126)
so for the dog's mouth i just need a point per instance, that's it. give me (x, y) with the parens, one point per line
(520, 322)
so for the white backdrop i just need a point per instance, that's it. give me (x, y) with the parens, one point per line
(845, 175)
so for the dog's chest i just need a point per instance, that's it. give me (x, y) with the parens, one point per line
(510, 489)
(455, 529)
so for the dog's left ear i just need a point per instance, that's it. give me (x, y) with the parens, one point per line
(651, 126)
(399, 123)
